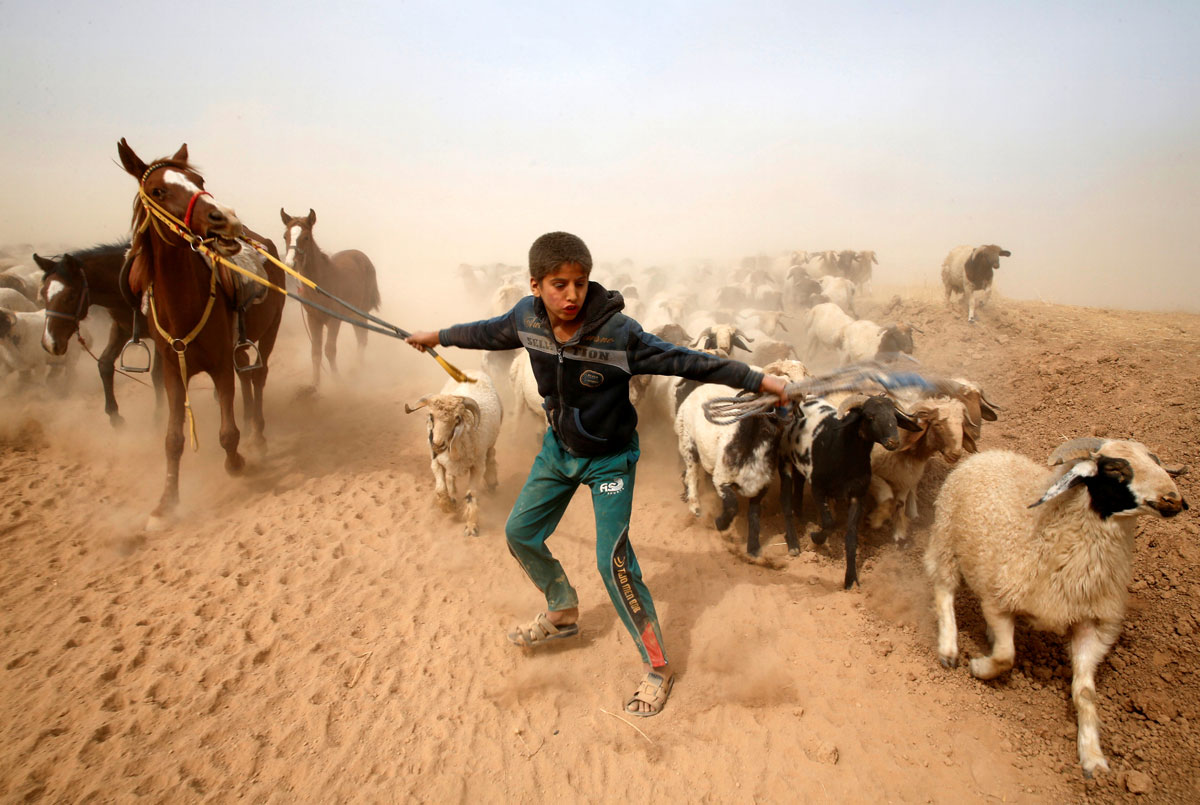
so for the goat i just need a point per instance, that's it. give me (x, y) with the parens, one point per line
(968, 271)
(1054, 545)
(840, 291)
(831, 448)
(824, 326)
(464, 421)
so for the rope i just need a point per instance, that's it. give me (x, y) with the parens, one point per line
(378, 325)
(180, 345)
(864, 377)
(88, 350)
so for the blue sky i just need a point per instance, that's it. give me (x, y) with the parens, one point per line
(433, 134)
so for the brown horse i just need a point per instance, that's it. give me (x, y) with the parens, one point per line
(70, 286)
(348, 275)
(192, 303)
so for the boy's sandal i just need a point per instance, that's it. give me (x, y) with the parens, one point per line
(540, 630)
(653, 691)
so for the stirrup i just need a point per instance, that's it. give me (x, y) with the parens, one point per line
(253, 359)
(138, 367)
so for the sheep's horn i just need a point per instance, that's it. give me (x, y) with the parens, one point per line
(1081, 469)
(853, 401)
(988, 402)
(1082, 447)
(738, 333)
(916, 329)
(473, 407)
(421, 403)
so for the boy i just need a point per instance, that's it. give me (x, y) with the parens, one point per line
(583, 351)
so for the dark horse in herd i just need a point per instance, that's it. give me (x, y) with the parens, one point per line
(348, 275)
(74, 283)
(192, 314)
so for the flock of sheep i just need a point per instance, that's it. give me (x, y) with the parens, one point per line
(1052, 543)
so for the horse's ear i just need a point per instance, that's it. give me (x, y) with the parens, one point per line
(284, 216)
(312, 218)
(45, 263)
(130, 161)
(181, 154)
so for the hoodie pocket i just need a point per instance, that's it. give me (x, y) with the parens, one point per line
(580, 429)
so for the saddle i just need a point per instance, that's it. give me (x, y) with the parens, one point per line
(239, 289)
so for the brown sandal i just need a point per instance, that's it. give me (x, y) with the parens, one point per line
(540, 631)
(653, 691)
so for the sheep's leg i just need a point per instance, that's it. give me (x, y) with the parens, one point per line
(470, 505)
(789, 486)
(729, 506)
(1000, 660)
(691, 481)
(853, 517)
(490, 474)
(910, 505)
(440, 491)
(943, 602)
(971, 306)
(1089, 643)
(821, 534)
(881, 493)
(753, 521)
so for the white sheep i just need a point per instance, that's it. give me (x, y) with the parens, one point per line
(22, 350)
(968, 270)
(896, 474)
(504, 297)
(464, 421)
(823, 326)
(14, 300)
(840, 291)
(864, 340)
(527, 400)
(1053, 545)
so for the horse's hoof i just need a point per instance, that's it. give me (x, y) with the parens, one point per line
(116, 420)
(793, 551)
(158, 522)
(234, 464)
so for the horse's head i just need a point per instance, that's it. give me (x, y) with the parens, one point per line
(178, 188)
(65, 293)
(297, 235)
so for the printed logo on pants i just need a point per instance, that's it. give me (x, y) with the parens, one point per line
(612, 487)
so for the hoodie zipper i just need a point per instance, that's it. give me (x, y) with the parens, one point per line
(559, 382)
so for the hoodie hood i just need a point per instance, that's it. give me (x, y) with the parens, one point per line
(600, 305)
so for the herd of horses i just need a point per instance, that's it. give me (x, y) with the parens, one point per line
(162, 283)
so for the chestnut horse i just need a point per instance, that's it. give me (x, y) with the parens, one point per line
(70, 286)
(192, 313)
(348, 274)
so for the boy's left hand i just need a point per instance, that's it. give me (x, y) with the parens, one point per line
(777, 386)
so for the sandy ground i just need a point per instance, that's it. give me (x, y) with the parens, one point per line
(318, 630)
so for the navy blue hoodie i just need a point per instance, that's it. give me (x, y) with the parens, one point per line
(585, 382)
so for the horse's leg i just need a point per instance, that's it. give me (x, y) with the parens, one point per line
(331, 337)
(106, 364)
(173, 385)
(230, 436)
(315, 325)
(360, 334)
(259, 381)
(156, 379)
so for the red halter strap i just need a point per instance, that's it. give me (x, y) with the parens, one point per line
(187, 218)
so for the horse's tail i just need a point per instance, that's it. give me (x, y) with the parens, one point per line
(371, 291)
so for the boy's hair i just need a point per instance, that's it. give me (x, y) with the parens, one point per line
(555, 248)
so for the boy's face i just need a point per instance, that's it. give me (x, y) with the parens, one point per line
(562, 291)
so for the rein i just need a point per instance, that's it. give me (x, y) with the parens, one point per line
(203, 245)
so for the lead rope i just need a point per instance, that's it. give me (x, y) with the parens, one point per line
(180, 345)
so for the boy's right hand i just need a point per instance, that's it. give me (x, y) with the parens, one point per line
(423, 340)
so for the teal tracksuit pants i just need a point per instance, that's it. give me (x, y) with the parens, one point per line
(552, 482)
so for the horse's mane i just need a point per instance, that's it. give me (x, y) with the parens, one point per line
(139, 270)
(100, 250)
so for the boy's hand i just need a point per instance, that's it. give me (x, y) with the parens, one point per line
(423, 340)
(775, 385)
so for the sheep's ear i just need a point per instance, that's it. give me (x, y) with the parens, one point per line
(907, 422)
(1005, 253)
(1073, 477)
(969, 442)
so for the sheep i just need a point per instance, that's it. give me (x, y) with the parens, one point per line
(464, 421)
(824, 325)
(860, 269)
(1053, 545)
(25, 281)
(840, 291)
(741, 458)
(979, 410)
(831, 448)
(867, 341)
(14, 300)
(505, 297)
(801, 291)
(968, 271)
(22, 347)
(822, 264)
(722, 337)
(527, 400)
(896, 474)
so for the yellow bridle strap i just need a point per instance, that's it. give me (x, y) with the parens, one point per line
(181, 350)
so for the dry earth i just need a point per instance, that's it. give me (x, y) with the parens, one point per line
(317, 630)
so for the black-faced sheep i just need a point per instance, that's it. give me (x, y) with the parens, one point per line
(968, 270)
(831, 448)
(1053, 545)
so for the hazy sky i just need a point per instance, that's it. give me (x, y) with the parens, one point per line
(430, 134)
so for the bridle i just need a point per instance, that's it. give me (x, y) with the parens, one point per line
(80, 308)
(155, 210)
